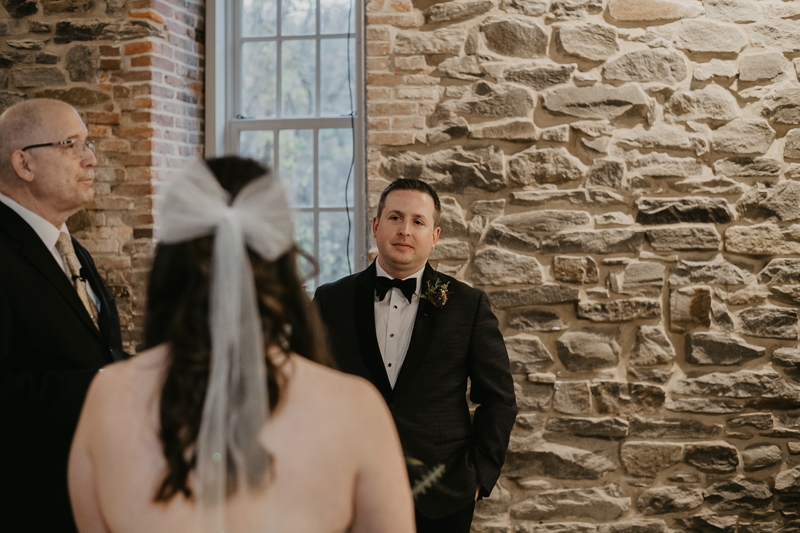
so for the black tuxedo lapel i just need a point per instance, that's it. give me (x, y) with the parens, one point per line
(365, 331)
(40, 257)
(421, 336)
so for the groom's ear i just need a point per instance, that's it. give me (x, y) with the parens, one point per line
(374, 227)
(436, 233)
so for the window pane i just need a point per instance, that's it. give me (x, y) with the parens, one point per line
(259, 75)
(296, 165)
(335, 159)
(258, 145)
(298, 17)
(333, 16)
(333, 251)
(336, 91)
(298, 78)
(259, 18)
(304, 236)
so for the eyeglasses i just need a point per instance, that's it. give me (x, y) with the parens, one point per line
(79, 146)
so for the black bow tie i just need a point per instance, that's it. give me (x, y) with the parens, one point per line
(407, 286)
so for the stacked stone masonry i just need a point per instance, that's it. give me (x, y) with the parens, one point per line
(623, 178)
(133, 69)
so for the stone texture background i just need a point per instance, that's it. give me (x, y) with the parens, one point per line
(623, 178)
(133, 69)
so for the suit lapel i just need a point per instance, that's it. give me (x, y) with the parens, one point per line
(108, 319)
(421, 336)
(34, 250)
(365, 331)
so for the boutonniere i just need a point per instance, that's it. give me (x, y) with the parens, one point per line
(436, 293)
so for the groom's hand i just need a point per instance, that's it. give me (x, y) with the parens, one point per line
(477, 491)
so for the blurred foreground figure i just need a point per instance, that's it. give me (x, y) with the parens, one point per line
(230, 421)
(58, 324)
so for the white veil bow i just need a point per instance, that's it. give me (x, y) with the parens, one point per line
(235, 409)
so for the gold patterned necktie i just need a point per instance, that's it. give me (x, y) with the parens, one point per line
(67, 251)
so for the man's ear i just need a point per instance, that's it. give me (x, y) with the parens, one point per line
(436, 233)
(374, 227)
(22, 165)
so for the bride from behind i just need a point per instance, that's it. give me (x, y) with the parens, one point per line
(231, 421)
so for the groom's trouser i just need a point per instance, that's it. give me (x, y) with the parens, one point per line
(458, 522)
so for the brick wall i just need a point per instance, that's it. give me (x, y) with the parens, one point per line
(134, 71)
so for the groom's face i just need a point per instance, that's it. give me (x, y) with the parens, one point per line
(405, 232)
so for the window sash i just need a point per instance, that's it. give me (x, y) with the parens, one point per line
(223, 127)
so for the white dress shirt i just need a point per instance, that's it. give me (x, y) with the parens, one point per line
(48, 233)
(394, 323)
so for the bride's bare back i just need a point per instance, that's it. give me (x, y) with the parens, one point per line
(338, 462)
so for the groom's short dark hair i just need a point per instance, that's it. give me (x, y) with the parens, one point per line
(412, 185)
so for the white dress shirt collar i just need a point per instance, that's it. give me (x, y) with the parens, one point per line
(44, 229)
(417, 275)
(48, 233)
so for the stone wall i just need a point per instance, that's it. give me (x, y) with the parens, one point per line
(133, 68)
(621, 177)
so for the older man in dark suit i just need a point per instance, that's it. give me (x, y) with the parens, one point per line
(58, 324)
(418, 336)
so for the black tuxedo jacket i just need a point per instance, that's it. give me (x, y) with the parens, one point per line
(49, 352)
(448, 345)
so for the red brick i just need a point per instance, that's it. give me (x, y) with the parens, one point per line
(135, 132)
(137, 219)
(112, 203)
(121, 91)
(110, 64)
(132, 160)
(147, 15)
(133, 189)
(97, 130)
(174, 81)
(132, 104)
(114, 145)
(110, 51)
(93, 117)
(137, 75)
(139, 174)
(164, 148)
(138, 48)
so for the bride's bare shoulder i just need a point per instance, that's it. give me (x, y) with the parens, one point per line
(333, 386)
(135, 376)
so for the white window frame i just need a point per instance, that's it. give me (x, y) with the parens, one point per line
(222, 127)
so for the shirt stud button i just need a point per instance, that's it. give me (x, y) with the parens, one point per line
(390, 364)
(391, 334)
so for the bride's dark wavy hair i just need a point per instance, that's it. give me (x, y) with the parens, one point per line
(177, 314)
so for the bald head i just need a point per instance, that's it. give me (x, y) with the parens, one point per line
(52, 180)
(27, 123)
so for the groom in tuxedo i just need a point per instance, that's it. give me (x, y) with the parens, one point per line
(419, 336)
(58, 324)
